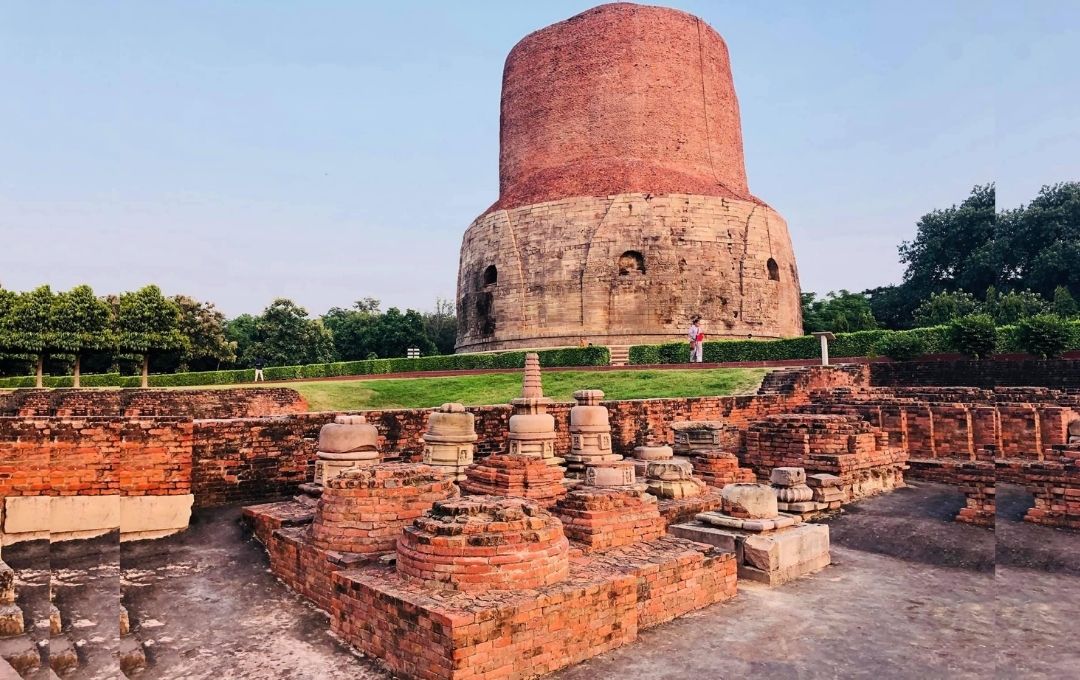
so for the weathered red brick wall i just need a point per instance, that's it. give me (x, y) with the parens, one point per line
(223, 403)
(95, 456)
(252, 459)
(1056, 373)
(24, 457)
(616, 99)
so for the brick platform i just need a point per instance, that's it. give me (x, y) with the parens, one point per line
(718, 468)
(517, 477)
(484, 543)
(265, 519)
(602, 604)
(363, 510)
(603, 518)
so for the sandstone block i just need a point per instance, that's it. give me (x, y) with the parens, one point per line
(749, 501)
(787, 476)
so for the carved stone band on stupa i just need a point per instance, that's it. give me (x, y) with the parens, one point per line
(532, 428)
(590, 432)
(450, 439)
(346, 443)
(643, 455)
(673, 478)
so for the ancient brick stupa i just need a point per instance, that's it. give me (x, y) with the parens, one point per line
(621, 177)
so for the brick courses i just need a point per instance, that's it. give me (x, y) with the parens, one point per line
(602, 604)
(604, 518)
(133, 403)
(363, 510)
(480, 543)
(516, 476)
(95, 456)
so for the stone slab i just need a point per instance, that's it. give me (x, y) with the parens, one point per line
(773, 558)
(157, 515)
(27, 517)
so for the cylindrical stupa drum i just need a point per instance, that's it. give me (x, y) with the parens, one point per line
(624, 208)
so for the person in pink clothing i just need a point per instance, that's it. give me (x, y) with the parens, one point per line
(697, 339)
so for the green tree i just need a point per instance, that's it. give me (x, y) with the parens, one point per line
(82, 324)
(285, 336)
(29, 327)
(954, 248)
(843, 312)
(10, 363)
(207, 347)
(440, 326)
(941, 308)
(974, 335)
(1064, 303)
(1039, 244)
(348, 327)
(893, 307)
(393, 333)
(146, 323)
(1010, 307)
(1044, 335)
(243, 333)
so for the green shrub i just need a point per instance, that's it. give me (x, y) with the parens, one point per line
(1045, 335)
(901, 346)
(573, 356)
(858, 344)
(974, 335)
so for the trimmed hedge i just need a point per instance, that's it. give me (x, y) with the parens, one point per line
(934, 339)
(575, 356)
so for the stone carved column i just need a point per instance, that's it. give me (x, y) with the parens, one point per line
(348, 442)
(590, 432)
(532, 428)
(450, 439)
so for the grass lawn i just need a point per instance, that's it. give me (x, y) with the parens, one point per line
(500, 388)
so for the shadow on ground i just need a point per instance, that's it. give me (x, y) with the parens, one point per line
(911, 594)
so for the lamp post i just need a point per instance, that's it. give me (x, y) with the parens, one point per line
(825, 337)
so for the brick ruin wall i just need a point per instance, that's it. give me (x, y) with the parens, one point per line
(975, 438)
(965, 436)
(134, 403)
(95, 456)
(1052, 373)
(249, 459)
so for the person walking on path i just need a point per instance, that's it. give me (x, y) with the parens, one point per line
(258, 370)
(696, 339)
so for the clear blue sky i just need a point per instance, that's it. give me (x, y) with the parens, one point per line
(326, 152)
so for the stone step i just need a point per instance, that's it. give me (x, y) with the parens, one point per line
(620, 355)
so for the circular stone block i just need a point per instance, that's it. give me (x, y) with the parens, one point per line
(480, 543)
(532, 423)
(653, 452)
(669, 470)
(788, 476)
(749, 501)
(345, 437)
(451, 423)
(616, 473)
